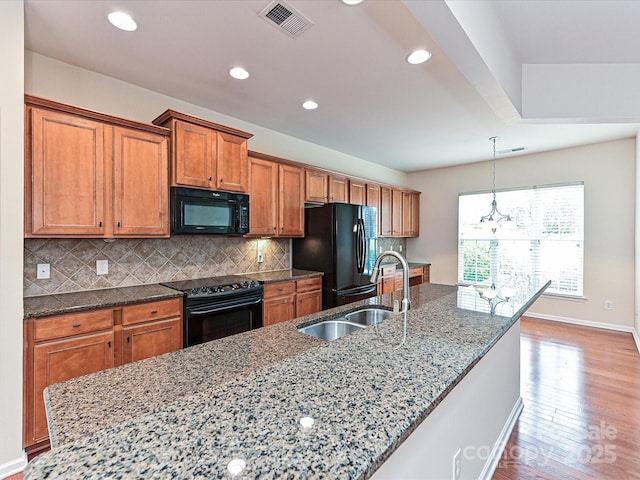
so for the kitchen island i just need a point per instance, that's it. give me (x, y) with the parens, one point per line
(189, 414)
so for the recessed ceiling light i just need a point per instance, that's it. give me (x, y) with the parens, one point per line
(310, 105)
(351, 2)
(418, 56)
(239, 73)
(123, 21)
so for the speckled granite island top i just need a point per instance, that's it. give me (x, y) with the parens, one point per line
(109, 297)
(187, 414)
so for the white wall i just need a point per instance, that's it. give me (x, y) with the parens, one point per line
(637, 245)
(66, 83)
(608, 172)
(11, 214)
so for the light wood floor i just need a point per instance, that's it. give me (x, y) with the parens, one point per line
(581, 392)
(581, 417)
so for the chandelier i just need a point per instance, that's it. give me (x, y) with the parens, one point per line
(494, 218)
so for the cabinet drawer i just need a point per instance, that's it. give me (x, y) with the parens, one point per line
(388, 270)
(416, 272)
(309, 284)
(74, 324)
(145, 312)
(279, 289)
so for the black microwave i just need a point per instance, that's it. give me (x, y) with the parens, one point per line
(196, 211)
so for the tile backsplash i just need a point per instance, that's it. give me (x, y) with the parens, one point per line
(145, 261)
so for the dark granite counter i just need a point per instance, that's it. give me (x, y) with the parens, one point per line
(187, 414)
(283, 275)
(44, 305)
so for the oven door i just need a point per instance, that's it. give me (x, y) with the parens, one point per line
(209, 320)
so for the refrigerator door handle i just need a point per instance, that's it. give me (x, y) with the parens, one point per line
(360, 245)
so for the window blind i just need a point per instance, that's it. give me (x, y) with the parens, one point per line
(545, 240)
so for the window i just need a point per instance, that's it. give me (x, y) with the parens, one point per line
(545, 240)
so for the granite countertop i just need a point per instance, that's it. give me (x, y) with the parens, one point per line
(283, 275)
(44, 305)
(187, 414)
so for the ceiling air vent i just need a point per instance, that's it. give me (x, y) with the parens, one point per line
(286, 19)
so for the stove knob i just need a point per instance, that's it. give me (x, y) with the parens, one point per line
(194, 291)
(219, 289)
(254, 283)
(245, 284)
(203, 289)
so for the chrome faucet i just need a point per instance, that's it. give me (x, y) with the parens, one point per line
(406, 303)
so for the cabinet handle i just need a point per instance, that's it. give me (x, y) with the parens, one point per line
(109, 343)
(76, 325)
(100, 224)
(118, 224)
(210, 178)
(153, 312)
(128, 339)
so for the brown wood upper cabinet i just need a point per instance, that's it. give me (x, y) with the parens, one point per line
(410, 214)
(93, 175)
(317, 188)
(372, 199)
(338, 189)
(357, 192)
(386, 197)
(277, 199)
(205, 154)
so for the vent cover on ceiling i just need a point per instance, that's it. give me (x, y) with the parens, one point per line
(286, 19)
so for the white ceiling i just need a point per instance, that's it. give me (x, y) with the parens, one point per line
(373, 104)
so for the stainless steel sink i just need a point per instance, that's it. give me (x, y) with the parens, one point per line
(331, 329)
(368, 316)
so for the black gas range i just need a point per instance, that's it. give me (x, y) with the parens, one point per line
(217, 307)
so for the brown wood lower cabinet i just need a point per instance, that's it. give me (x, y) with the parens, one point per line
(279, 302)
(391, 278)
(291, 299)
(61, 347)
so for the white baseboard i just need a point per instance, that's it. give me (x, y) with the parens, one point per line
(587, 323)
(14, 466)
(501, 442)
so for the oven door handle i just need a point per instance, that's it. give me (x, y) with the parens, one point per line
(222, 306)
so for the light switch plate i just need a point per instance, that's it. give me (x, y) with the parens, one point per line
(44, 271)
(260, 257)
(102, 267)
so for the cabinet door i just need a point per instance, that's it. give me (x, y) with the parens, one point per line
(415, 215)
(278, 310)
(194, 155)
(385, 212)
(140, 184)
(396, 213)
(372, 199)
(58, 361)
(66, 192)
(263, 191)
(338, 189)
(406, 214)
(232, 168)
(308, 303)
(151, 339)
(291, 201)
(357, 194)
(316, 186)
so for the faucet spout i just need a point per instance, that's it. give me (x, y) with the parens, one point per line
(406, 303)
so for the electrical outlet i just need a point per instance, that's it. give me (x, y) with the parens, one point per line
(260, 257)
(456, 465)
(102, 267)
(44, 271)
(608, 304)
(400, 248)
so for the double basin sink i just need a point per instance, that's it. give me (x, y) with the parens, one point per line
(349, 323)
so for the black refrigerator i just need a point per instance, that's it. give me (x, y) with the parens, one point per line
(340, 241)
